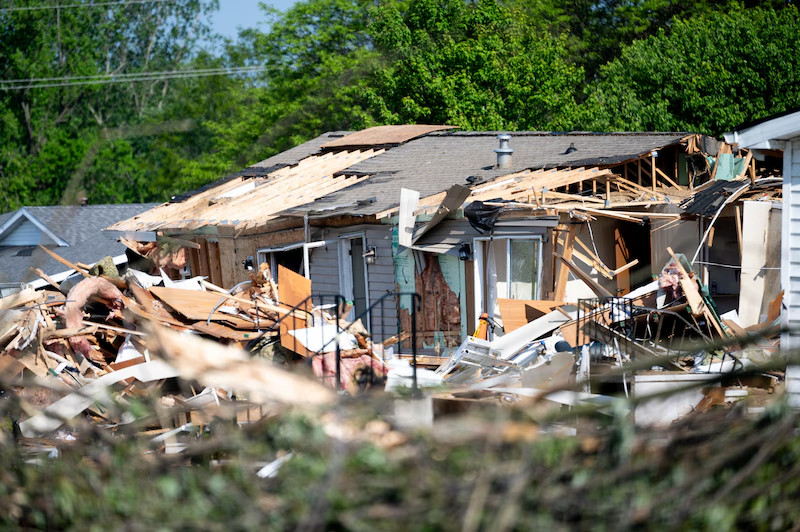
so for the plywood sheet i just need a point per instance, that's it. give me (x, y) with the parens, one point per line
(518, 312)
(194, 304)
(384, 135)
(293, 289)
(755, 235)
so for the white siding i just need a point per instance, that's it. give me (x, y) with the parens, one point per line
(790, 260)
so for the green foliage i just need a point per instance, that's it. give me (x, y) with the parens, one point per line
(715, 472)
(703, 65)
(49, 130)
(708, 74)
(477, 66)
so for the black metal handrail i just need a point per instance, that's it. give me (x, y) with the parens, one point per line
(416, 306)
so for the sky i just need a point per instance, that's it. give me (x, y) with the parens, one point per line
(245, 13)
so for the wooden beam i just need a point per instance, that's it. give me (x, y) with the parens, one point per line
(737, 210)
(44, 276)
(563, 272)
(580, 274)
(667, 178)
(653, 171)
(621, 255)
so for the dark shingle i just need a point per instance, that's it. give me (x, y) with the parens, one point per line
(436, 161)
(80, 226)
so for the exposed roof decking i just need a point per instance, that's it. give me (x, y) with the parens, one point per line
(247, 202)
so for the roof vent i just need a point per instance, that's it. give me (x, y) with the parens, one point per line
(504, 152)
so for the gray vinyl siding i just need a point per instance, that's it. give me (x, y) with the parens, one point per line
(324, 269)
(25, 233)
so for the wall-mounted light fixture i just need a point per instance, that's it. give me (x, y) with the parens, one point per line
(465, 251)
(370, 254)
(249, 264)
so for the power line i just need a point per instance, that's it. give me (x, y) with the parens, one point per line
(127, 75)
(99, 4)
(127, 78)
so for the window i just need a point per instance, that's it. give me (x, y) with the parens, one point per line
(507, 268)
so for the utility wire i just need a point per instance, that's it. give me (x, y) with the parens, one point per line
(27, 81)
(99, 4)
(102, 80)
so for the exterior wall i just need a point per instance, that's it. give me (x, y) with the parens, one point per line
(25, 233)
(324, 270)
(790, 262)
(790, 256)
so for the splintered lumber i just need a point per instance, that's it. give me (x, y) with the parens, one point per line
(19, 299)
(221, 331)
(70, 406)
(580, 274)
(563, 274)
(689, 287)
(46, 277)
(262, 305)
(592, 260)
(119, 283)
(193, 304)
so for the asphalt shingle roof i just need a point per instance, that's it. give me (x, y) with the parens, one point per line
(80, 226)
(435, 162)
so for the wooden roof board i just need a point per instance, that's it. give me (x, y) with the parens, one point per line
(283, 189)
(385, 135)
(193, 304)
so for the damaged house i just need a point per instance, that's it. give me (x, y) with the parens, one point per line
(562, 216)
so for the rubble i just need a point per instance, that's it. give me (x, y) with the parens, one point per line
(110, 340)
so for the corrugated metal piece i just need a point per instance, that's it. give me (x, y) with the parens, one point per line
(384, 135)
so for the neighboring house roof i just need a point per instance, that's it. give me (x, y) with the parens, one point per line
(759, 133)
(430, 162)
(74, 232)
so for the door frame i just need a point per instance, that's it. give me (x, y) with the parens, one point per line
(346, 269)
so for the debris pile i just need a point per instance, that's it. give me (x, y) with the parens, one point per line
(184, 343)
(666, 334)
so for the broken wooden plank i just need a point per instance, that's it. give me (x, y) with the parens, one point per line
(563, 274)
(218, 330)
(46, 277)
(580, 274)
(689, 287)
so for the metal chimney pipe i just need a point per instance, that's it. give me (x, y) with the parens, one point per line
(504, 152)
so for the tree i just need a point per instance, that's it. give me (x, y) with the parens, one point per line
(52, 124)
(596, 31)
(318, 58)
(708, 74)
(477, 66)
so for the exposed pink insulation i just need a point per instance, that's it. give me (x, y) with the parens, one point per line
(77, 299)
